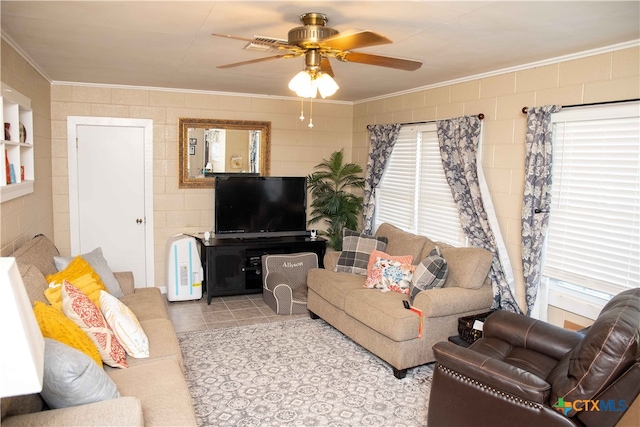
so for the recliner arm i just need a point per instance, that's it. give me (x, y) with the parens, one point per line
(533, 334)
(492, 372)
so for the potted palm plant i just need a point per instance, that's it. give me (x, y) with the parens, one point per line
(332, 199)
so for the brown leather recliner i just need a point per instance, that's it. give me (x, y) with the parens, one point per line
(524, 372)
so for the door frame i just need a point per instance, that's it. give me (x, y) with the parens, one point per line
(74, 229)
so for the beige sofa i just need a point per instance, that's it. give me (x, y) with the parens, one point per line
(379, 322)
(153, 390)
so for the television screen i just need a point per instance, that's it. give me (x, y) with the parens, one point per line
(247, 207)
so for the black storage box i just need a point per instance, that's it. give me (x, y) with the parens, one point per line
(465, 326)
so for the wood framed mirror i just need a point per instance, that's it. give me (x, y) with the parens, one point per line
(211, 147)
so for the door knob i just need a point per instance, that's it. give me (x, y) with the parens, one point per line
(138, 221)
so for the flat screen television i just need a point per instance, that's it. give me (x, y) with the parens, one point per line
(258, 206)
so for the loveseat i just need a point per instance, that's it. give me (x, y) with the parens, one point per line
(152, 390)
(379, 321)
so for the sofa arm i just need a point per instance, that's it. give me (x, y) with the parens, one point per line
(331, 259)
(492, 372)
(448, 301)
(533, 334)
(126, 282)
(124, 411)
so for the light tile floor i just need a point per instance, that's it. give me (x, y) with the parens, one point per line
(196, 315)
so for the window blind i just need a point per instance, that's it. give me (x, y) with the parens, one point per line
(437, 212)
(593, 239)
(396, 192)
(413, 193)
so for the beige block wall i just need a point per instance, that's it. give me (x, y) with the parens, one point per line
(295, 149)
(24, 217)
(605, 77)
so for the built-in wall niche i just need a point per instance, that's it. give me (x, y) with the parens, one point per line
(17, 172)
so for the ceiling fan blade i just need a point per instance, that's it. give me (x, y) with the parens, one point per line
(355, 40)
(381, 61)
(325, 66)
(260, 41)
(253, 61)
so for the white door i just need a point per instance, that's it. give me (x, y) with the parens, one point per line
(111, 193)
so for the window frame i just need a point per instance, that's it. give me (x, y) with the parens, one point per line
(413, 223)
(585, 299)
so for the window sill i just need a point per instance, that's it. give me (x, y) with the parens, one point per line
(575, 302)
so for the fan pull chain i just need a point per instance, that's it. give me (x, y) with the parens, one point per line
(310, 112)
(301, 109)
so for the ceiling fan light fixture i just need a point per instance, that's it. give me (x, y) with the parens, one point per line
(302, 84)
(326, 85)
(307, 84)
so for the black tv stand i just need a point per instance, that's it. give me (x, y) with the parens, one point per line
(234, 266)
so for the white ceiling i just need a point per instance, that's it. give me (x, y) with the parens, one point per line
(168, 44)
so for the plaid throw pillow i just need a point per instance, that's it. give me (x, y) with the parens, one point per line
(431, 273)
(356, 249)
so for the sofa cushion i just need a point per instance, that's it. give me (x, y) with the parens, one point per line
(95, 258)
(20, 405)
(84, 313)
(431, 273)
(71, 378)
(124, 325)
(402, 242)
(39, 252)
(161, 388)
(333, 286)
(384, 313)
(34, 282)
(356, 249)
(146, 303)
(609, 348)
(468, 267)
(55, 325)
(163, 343)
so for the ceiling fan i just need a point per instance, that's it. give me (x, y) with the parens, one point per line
(318, 43)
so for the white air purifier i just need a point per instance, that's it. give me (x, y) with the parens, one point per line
(184, 270)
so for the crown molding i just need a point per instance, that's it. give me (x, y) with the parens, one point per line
(196, 91)
(550, 61)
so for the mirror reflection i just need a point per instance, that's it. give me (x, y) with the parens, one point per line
(210, 147)
(223, 150)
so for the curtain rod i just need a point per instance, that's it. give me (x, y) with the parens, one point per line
(526, 109)
(480, 116)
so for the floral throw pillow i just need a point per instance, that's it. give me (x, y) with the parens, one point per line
(431, 273)
(375, 254)
(84, 313)
(389, 275)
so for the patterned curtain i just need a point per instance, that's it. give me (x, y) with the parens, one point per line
(537, 196)
(382, 138)
(459, 139)
(254, 143)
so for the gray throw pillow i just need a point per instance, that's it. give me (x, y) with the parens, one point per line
(431, 273)
(72, 378)
(356, 249)
(99, 264)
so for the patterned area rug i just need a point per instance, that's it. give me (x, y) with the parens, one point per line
(297, 372)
